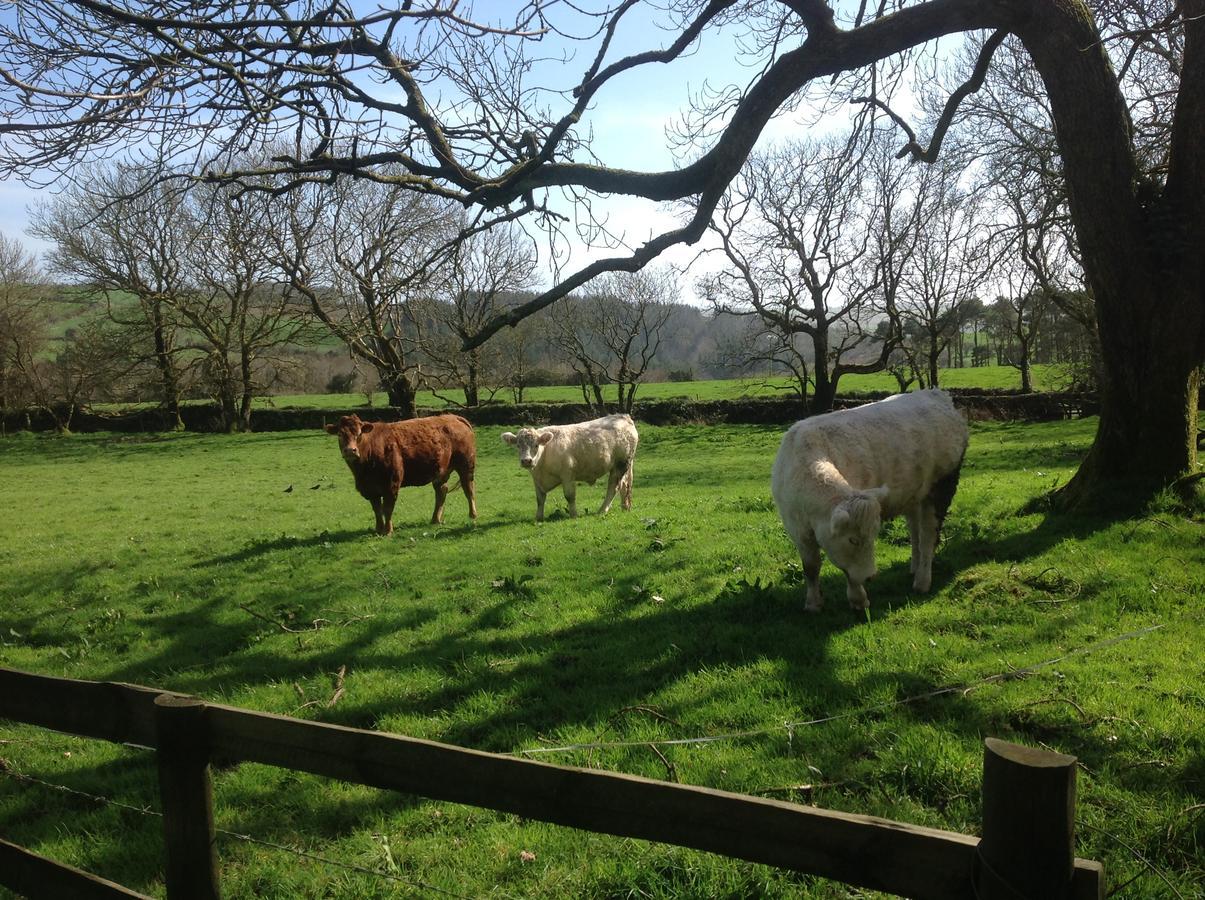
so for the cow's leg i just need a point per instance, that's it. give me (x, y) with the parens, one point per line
(570, 489)
(625, 485)
(378, 514)
(922, 577)
(387, 504)
(470, 491)
(541, 496)
(613, 480)
(441, 494)
(914, 518)
(809, 554)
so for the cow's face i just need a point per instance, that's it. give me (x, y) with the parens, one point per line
(349, 430)
(530, 444)
(853, 527)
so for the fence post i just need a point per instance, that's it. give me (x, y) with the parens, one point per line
(187, 797)
(1028, 845)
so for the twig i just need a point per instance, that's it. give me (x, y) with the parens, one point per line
(1085, 718)
(799, 788)
(314, 626)
(670, 771)
(335, 697)
(1138, 856)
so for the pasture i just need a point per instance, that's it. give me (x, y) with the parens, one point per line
(184, 562)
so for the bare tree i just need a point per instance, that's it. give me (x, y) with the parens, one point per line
(113, 236)
(472, 287)
(456, 106)
(59, 376)
(22, 322)
(242, 316)
(800, 233)
(354, 250)
(519, 350)
(612, 334)
(1022, 312)
(947, 267)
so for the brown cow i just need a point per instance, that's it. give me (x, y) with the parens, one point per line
(385, 456)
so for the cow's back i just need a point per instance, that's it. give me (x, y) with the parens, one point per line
(588, 450)
(430, 447)
(907, 442)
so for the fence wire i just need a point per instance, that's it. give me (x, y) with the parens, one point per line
(788, 727)
(246, 838)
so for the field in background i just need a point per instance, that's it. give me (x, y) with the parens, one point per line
(179, 561)
(1045, 378)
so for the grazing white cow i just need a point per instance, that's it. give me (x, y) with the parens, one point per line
(567, 454)
(838, 475)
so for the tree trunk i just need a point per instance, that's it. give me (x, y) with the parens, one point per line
(934, 354)
(1150, 382)
(1140, 251)
(471, 391)
(1023, 365)
(245, 402)
(825, 394)
(826, 388)
(229, 407)
(168, 377)
(402, 394)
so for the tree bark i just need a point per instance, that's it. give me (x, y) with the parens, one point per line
(825, 394)
(1024, 366)
(168, 378)
(245, 401)
(402, 395)
(1140, 251)
(471, 389)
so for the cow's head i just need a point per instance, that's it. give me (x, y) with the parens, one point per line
(349, 429)
(853, 527)
(530, 444)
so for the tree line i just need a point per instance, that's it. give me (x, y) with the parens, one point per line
(207, 294)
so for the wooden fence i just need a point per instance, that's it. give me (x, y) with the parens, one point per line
(1028, 801)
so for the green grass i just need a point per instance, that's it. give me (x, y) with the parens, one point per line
(1045, 378)
(129, 558)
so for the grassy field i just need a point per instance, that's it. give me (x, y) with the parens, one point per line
(1046, 378)
(132, 558)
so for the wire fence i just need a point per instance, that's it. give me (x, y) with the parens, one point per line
(788, 727)
(244, 838)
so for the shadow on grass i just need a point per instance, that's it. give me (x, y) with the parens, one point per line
(566, 676)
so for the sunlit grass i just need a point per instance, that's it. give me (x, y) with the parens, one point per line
(132, 558)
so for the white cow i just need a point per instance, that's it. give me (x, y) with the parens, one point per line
(838, 475)
(567, 454)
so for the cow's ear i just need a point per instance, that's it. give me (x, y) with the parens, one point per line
(365, 428)
(545, 437)
(840, 518)
(509, 437)
(331, 428)
(879, 494)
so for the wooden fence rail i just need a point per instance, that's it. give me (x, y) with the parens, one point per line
(859, 850)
